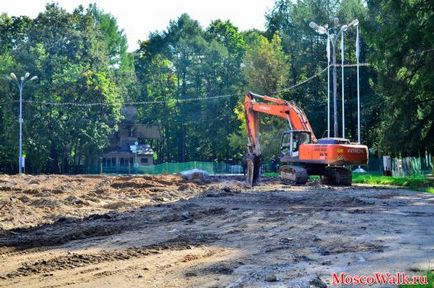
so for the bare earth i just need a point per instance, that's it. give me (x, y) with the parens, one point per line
(160, 231)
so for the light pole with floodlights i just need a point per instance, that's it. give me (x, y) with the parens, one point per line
(333, 36)
(343, 78)
(358, 81)
(20, 83)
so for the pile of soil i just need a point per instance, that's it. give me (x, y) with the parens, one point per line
(27, 200)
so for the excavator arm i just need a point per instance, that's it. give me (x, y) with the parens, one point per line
(272, 106)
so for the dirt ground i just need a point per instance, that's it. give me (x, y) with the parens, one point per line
(160, 231)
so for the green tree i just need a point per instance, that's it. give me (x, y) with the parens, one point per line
(200, 64)
(114, 40)
(402, 52)
(266, 65)
(307, 51)
(266, 71)
(74, 65)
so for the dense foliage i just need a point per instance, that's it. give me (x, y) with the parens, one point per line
(401, 41)
(81, 57)
(78, 59)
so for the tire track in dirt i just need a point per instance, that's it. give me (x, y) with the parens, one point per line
(76, 260)
(65, 230)
(61, 232)
(6, 252)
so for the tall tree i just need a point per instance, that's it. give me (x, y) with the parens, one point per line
(266, 65)
(401, 41)
(72, 61)
(307, 51)
(201, 64)
(266, 70)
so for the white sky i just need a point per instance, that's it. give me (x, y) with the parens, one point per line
(138, 18)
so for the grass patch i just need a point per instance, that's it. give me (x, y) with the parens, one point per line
(419, 183)
(430, 278)
(276, 174)
(271, 174)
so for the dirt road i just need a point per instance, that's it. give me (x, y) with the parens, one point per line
(58, 231)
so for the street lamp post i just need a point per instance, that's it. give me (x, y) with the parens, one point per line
(335, 101)
(328, 85)
(358, 83)
(356, 23)
(344, 28)
(333, 36)
(20, 83)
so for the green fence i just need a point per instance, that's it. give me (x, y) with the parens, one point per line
(405, 166)
(411, 166)
(400, 167)
(169, 168)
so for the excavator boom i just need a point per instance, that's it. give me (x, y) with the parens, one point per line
(295, 116)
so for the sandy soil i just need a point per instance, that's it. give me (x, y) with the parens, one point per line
(148, 231)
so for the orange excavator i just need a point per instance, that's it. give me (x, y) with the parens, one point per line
(302, 154)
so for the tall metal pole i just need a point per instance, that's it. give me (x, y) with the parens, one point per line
(20, 84)
(343, 85)
(335, 103)
(328, 85)
(358, 87)
(334, 36)
(20, 120)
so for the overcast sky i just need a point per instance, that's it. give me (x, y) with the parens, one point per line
(138, 18)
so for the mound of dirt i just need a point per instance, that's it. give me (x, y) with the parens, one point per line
(27, 200)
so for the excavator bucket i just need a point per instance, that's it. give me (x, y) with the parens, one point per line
(253, 166)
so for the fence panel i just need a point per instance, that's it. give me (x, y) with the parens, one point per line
(406, 166)
(400, 167)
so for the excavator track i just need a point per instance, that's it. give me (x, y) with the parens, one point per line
(290, 174)
(337, 176)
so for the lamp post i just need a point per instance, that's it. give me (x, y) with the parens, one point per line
(20, 84)
(328, 85)
(343, 29)
(356, 23)
(358, 80)
(333, 34)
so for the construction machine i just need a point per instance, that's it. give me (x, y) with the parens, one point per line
(302, 154)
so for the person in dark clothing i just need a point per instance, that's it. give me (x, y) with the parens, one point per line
(274, 163)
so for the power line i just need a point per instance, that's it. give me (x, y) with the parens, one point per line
(208, 98)
(316, 75)
(127, 103)
(301, 83)
(86, 104)
(180, 100)
(351, 65)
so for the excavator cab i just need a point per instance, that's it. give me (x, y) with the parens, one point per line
(291, 141)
